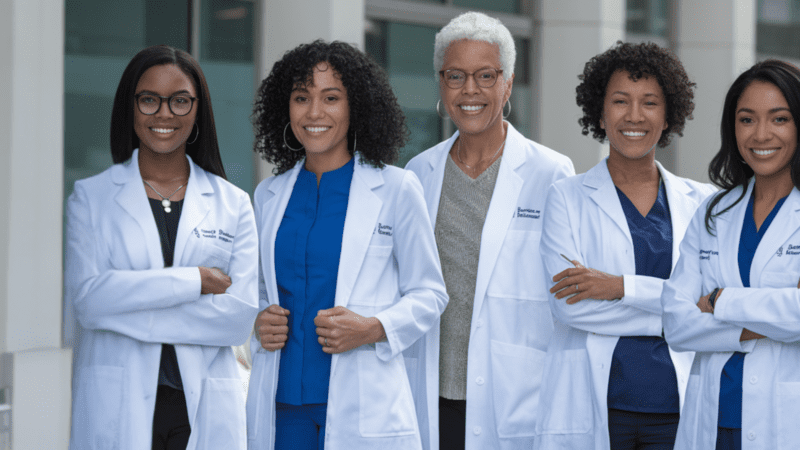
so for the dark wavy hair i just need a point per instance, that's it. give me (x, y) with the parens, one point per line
(639, 60)
(204, 151)
(727, 169)
(376, 121)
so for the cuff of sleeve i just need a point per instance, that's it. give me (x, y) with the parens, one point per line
(185, 284)
(384, 348)
(629, 288)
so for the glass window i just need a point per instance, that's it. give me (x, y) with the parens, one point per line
(506, 6)
(650, 17)
(778, 28)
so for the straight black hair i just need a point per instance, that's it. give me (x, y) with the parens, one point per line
(204, 151)
(727, 169)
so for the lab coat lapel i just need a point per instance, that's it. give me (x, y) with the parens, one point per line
(681, 208)
(273, 211)
(363, 208)
(783, 226)
(498, 217)
(606, 198)
(728, 228)
(433, 183)
(133, 199)
(195, 208)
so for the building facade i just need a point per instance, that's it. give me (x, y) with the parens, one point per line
(60, 62)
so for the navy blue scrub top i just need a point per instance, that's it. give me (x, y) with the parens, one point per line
(307, 250)
(730, 388)
(642, 377)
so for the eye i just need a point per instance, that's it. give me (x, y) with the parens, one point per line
(331, 98)
(181, 101)
(745, 120)
(299, 99)
(783, 119)
(454, 75)
(148, 99)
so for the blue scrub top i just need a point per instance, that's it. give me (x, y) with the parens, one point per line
(307, 250)
(642, 377)
(730, 388)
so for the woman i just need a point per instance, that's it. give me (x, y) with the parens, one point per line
(733, 297)
(485, 189)
(349, 274)
(160, 270)
(610, 239)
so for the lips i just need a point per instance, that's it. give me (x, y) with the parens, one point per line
(472, 107)
(634, 133)
(764, 152)
(316, 129)
(162, 130)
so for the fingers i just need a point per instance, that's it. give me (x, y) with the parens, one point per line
(274, 341)
(277, 309)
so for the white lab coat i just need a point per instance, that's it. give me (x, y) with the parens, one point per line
(511, 322)
(585, 222)
(388, 269)
(771, 307)
(127, 304)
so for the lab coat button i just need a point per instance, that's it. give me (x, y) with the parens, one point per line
(753, 379)
(480, 381)
(476, 431)
(751, 435)
(478, 323)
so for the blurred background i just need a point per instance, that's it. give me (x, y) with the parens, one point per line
(60, 62)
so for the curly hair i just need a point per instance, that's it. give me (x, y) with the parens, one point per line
(376, 121)
(639, 60)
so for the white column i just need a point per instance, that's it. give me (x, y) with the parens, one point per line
(566, 35)
(31, 196)
(716, 42)
(285, 24)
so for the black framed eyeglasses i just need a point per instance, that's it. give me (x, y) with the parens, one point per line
(484, 78)
(179, 104)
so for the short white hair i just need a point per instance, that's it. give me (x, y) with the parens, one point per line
(476, 26)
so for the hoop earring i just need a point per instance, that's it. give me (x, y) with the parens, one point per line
(196, 135)
(286, 143)
(437, 110)
(505, 116)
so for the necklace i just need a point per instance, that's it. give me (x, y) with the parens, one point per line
(164, 200)
(458, 154)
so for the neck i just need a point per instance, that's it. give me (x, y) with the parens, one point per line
(633, 171)
(319, 163)
(478, 147)
(770, 189)
(163, 167)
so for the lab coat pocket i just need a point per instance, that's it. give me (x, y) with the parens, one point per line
(517, 373)
(787, 398)
(98, 407)
(375, 275)
(220, 421)
(386, 407)
(216, 257)
(566, 399)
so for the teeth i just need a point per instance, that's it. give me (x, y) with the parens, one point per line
(316, 129)
(472, 108)
(163, 130)
(634, 133)
(764, 152)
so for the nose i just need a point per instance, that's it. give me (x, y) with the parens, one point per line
(763, 132)
(635, 112)
(163, 109)
(315, 109)
(470, 85)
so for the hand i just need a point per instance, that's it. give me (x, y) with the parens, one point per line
(581, 283)
(705, 305)
(748, 335)
(340, 330)
(213, 281)
(272, 327)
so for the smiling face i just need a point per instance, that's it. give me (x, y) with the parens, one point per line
(634, 114)
(320, 114)
(164, 132)
(474, 109)
(766, 133)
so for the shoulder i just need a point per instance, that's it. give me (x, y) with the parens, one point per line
(227, 190)
(426, 160)
(544, 157)
(101, 184)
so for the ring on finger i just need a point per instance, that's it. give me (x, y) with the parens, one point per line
(576, 288)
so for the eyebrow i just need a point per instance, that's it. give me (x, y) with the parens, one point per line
(303, 89)
(649, 94)
(182, 91)
(771, 111)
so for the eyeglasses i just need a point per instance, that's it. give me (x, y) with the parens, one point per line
(179, 104)
(484, 78)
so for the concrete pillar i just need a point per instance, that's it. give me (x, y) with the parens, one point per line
(716, 41)
(285, 24)
(31, 196)
(566, 35)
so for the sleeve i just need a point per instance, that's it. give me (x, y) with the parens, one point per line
(218, 320)
(90, 287)
(421, 285)
(609, 317)
(774, 313)
(686, 328)
(643, 292)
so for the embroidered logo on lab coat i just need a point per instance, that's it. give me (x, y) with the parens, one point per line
(385, 230)
(779, 253)
(792, 250)
(707, 254)
(215, 234)
(527, 213)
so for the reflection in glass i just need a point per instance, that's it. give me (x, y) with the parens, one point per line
(506, 6)
(650, 17)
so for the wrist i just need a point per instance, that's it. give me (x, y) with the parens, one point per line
(376, 331)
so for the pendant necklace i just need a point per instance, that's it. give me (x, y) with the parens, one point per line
(164, 200)
(458, 155)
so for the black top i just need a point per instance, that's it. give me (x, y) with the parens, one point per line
(167, 223)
